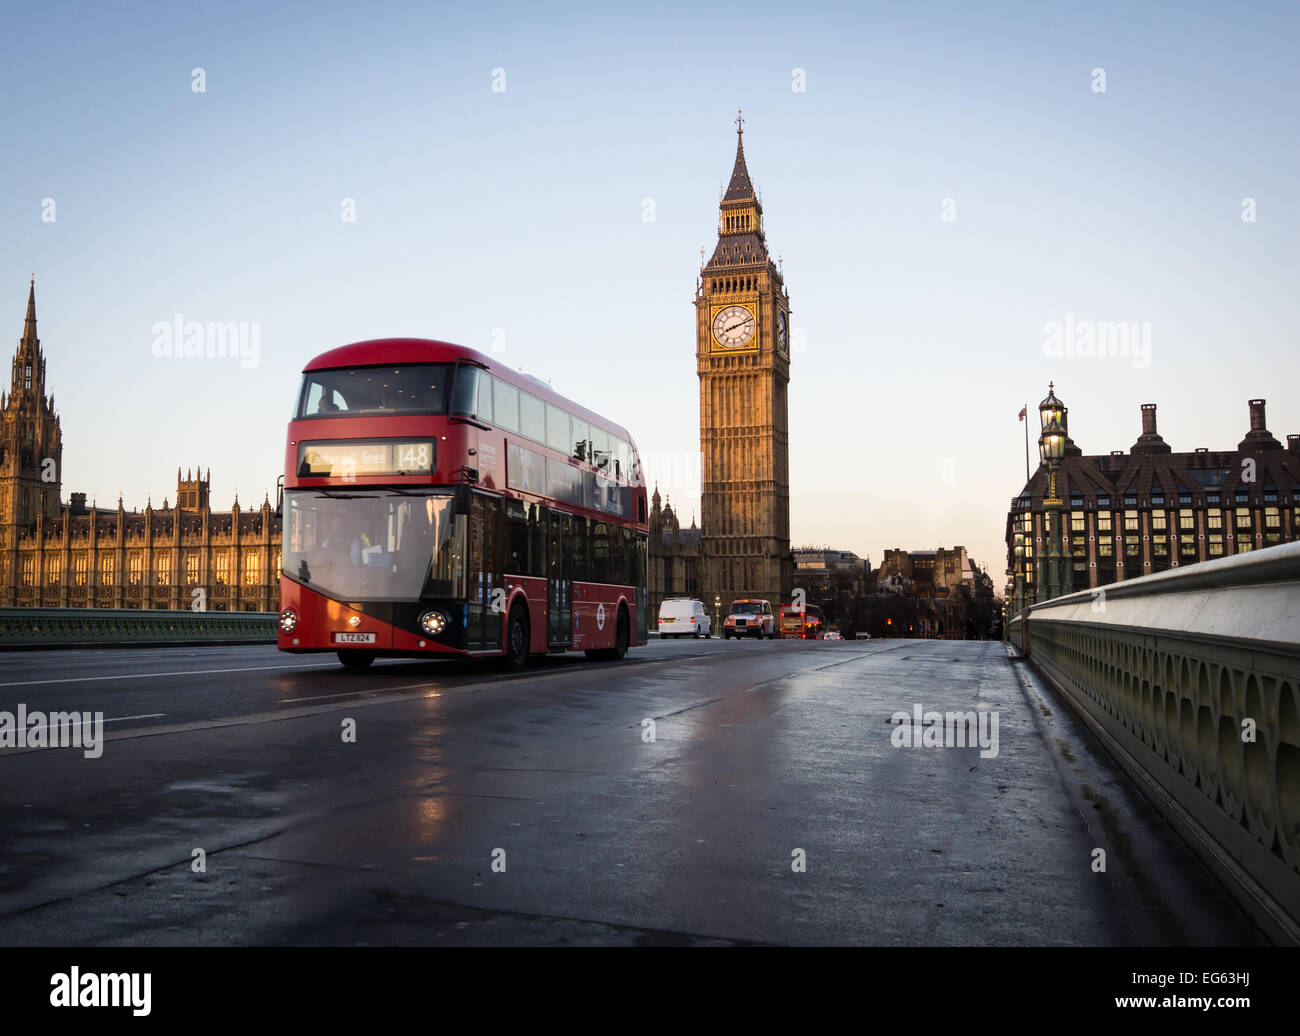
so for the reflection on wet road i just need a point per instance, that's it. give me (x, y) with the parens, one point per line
(698, 792)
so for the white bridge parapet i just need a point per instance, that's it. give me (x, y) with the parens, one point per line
(1191, 678)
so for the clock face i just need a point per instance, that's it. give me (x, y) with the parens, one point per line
(782, 337)
(733, 327)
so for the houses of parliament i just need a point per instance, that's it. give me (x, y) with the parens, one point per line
(181, 555)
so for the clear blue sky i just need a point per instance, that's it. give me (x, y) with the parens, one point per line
(522, 210)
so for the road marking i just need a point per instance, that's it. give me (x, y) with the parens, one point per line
(147, 715)
(435, 692)
(146, 676)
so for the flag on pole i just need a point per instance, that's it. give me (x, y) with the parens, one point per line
(1023, 411)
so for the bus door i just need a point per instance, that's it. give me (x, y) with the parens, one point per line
(559, 581)
(485, 591)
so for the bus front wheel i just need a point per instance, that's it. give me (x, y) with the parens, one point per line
(516, 656)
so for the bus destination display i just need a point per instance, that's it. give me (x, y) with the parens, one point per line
(360, 459)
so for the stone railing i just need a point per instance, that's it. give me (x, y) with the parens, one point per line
(1191, 678)
(81, 627)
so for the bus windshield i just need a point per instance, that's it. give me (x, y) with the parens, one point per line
(375, 545)
(415, 388)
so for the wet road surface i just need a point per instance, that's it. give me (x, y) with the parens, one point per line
(699, 792)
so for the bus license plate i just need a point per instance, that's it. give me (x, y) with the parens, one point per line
(354, 638)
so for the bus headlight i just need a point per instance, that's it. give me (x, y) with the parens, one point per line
(288, 620)
(433, 623)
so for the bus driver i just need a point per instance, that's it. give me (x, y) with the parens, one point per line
(339, 544)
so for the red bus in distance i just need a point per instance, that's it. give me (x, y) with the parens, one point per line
(437, 503)
(805, 624)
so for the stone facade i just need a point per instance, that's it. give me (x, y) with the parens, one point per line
(932, 572)
(73, 556)
(742, 546)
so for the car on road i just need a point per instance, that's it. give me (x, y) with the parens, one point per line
(864, 636)
(684, 617)
(750, 618)
(832, 635)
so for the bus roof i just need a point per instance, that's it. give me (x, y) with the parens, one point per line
(382, 351)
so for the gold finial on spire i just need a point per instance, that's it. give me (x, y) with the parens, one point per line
(740, 123)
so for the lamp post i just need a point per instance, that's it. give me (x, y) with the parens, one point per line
(1018, 601)
(1051, 449)
(717, 605)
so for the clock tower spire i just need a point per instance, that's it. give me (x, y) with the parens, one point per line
(743, 362)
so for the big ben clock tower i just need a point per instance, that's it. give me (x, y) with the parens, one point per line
(743, 360)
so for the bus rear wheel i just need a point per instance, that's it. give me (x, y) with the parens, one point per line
(621, 640)
(356, 660)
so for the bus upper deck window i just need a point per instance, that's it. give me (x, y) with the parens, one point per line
(465, 394)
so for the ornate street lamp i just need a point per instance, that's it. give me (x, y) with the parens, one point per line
(1019, 599)
(1051, 444)
(1053, 575)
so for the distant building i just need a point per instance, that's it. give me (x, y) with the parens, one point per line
(935, 592)
(1130, 514)
(823, 573)
(77, 556)
(933, 573)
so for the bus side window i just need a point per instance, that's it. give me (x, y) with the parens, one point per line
(537, 539)
(465, 395)
(518, 540)
(599, 447)
(579, 550)
(581, 436)
(532, 417)
(603, 549)
(505, 405)
(622, 458)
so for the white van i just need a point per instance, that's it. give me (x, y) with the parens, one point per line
(684, 617)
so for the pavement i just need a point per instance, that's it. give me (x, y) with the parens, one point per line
(699, 792)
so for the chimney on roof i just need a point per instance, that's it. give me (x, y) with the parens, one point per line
(1257, 415)
(1259, 437)
(1148, 419)
(1293, 443)
(1150, 441)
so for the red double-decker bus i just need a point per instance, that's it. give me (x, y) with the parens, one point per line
(437, 503)
(801, 622)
